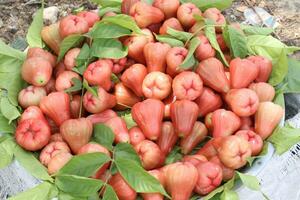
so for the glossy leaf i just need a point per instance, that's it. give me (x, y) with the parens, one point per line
(190, 60)
(108, 3)
(105, 10)
(169, 40)
(93, 90)
(7, 148)
(249, 181)
(229, 195)
(33, 36)
(126, 151)
(108, 30)
(109, 194)
(103, 135)
(174, 156)
(68, 43)
(77, 86)
(214, 193)
(108, 48)
(82, 59)
(8, 110)
(292, 78)
(236, 41)
(256, 30)
(180, 35)
(128, 120)
(5, 127)
(124, 21)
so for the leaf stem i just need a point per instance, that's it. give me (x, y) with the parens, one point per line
(81, 102)
(109, 175)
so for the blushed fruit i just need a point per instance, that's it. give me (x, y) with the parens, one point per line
(195, 159)
(155, 56)
(187, 85)
(75, 106)
(32, 134)
(184, 114)
(213, 75)
(32, 112)
(255, 141)
(99, 73)
(102, 116)
(168, 101)
(70, 58)
(246, 123)
(118, 126)
(145, 14)
(58, 161)
(72, 24)
(39, 52)
(159, 175)
(136, 135)
(60, 68)
(221, 42)
(210, 177)
(126, 5)
(216, 16)
(36, 71)
(157, 85)
(204, 50)
(97, 104)
(168, 7)
(56, 106)
(122, 188)
(227, 173)
(51, 150)
(50, 35)
(133, 78)
(65, 80)
(267, 117)
(174, 59)
(90, 17)
(208, 101)
(118, 65)
(154, 28)
(76, 132)
(125, 97)
(186, 12)
(149, 153)
(56, 137)
(243, 102)
(264, 91)
(168, 138)
(210, 149)
(148, 115)
(170, 23)
(242, 73)
(31, 96)
(264, 65)
(50, 86)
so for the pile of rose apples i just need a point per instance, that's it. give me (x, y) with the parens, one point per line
(232, 106)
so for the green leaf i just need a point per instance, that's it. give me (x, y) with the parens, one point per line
(229, 195)
(43, 191)
(108, 30)
(214, 193)
(230, 184)
(203, 5)
(264, 151)
(292, 78)
(103, 11)
(124, 21)
(169, 40)
(180, 35)
(236, 41)
(128, 120)
(33, 36)
(82, 59)
(109, 194)
(77, 86)
(31, 164)
(190, 60)
(256, 30)
(68, 43)
(108, 3)
(174, 155)
(279, 98)
(65, 196)
(92, 90)
(84, 165)
(8, 110)
(126, 151)
(5, 127)
(6, 152)
(108, 48)
(77, 185)
(103, 135)
(249, 181)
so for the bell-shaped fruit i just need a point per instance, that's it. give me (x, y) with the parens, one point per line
(122, 188)
(195, 159)
(56, 106)
(246, 123)
(77, 132)
(174, 58)
(197, 135)
(208, 101)
(213, 75)
(168, 7)
(170, 23)
(185, 14)
(210, 149)
(70, 58)
(255, 141)
(265, 67)
(102, 117)
(136, 135)
(31, 96)
(264, 91)
(118, 65)
(32, 112)
(267, 117)
(204, 50)
(58, 161)
(155, 54)
(56, 137)
(72, 24)
(184, 114)
(224, 123)
(125, 97)
(118, 126)
(90, 17)
(149, 116)
(64, 80)
(187, 85)
(216, 16)
(126, 5)
(168, 138)
(50, 35)
(159, 175)
(227, 173)
(39, 52)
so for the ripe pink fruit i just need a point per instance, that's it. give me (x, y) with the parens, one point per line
(155, 56)
(185, 14)
(216, 16)
(50, 35)
(51, 150)
(222, 43)
(122, 188)
(39, 52)
(210, 149)
(159, 175)
(56, 137)
(136, 135)
(168, 7)
(58, 161)
(118, 65)
(174, 58)
(64, 80)
(204, 50)
(255, 141)
(90, 17)
(170, 23)
(194, 159)
(126, 5)
(72, 24)
(32, 112)
(264, 91)
(118, 126)
(75, 106)
(168, 138)
(102, 117)
(125, 97)
(70, 57)
(226, 172)
(31, 96)
(264, 65)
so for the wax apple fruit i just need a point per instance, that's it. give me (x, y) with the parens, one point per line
(75, 106)
(118, 126)
(32, 112)
(122, 188)
(70, 57)
(39, 52)
(58, 161)
(50, 35)
(51, 150)
(204, 50)
(170, 23)
(168, 138)
(31, 96)
(168, 7)
(227, 173)
(216, 16)
(174, 58)
(254, 140)
(195, 159)
(126, 5)
(210, 149)
(264, 91)
(56, 137)
(102, 116)
(65, 80)
(155, 56)
(186, 12)
(208, 101)
(125, 97)
(72, 24)
(90, 17)
(136, 135)
(264, 65)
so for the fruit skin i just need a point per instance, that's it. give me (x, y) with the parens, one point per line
(50, 86)
(125, 97)
(184, 114)
(204, 50)
(168, 7)
(118, 126)
(118, 65)
(56, 137)
(242, 73)
(185, 14)
(31, 96)
(51, 150)
(59, 68)
(181, 178)
(72, 24)
(133, 78)
(56, 106)
(210, 149)
(70, 57)
(126, 5)
(197, 135)
(226, 172)
(224, 123)
(122, 188)
(213, 75)
(267, 117)
(99, 73)
(97, 104)
(210, 177)
(36, 71)
(155, 55)
(264, 91)
(39, 52)
(75, 106)
(222, 43)
(208, 101)
(194, 159)
(53, 127)
(234, 151)
(58, 161)
(90, 17)
(246, 123)
(76, 132)
(168, 138)
(64, 80)
(264, 65)
(136, 135)
(32, 134)
(157, 85)
(174, 58)
(170, 23)
(255, 141)
(243, 102)
(102, 117)
(32, 112)
(161, 178)
(149, 153)
(216, 16)
(50, 35)
(144, 19)
(148, 115)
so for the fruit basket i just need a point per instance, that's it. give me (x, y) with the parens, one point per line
(120, 103)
